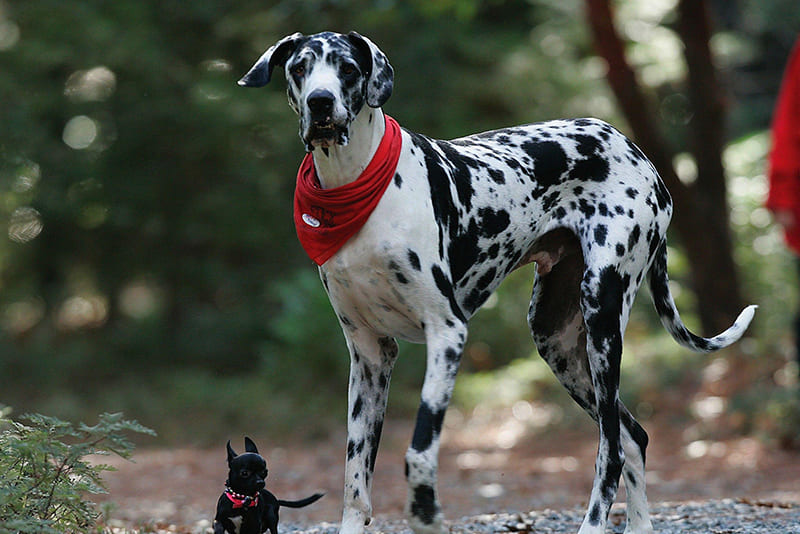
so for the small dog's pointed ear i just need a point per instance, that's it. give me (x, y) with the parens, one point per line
(231, 453)
(249, 445)
(276, 55)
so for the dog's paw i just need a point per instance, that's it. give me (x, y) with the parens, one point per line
(354, 521)
(642, 529)
(434, 527)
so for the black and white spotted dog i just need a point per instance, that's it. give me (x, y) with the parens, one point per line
(574, 196)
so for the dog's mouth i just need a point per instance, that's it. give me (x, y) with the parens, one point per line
(325, 134)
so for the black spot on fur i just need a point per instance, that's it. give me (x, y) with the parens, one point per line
(487, 278)
(446, 289)
(633, 237)
(366, 374)
(593, 168)
(586, 208)
(635, 430)
(493, 222)
(497, 176)
(461, 177)
(635, 154)
(662, 195)
(550, 200)
(429, 424)
(444, 209)
(594, 515)
(604, 321)
(475, 299)
(549, 160)
(600, 233)
(463, 251)
(357, 407)
(452, 355)
(354, 448)
(423, 506)
(413, 259)
(587, 145)
(374, 440)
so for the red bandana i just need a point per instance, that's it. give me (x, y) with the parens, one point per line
(241, 501)
(326, 218)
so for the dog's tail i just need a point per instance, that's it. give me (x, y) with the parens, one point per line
(668, 312)
(301, 502)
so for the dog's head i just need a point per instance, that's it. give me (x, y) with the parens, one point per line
(330, 78)
(247, 471)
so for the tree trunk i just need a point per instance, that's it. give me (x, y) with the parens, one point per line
(701, 211)
(717, 278)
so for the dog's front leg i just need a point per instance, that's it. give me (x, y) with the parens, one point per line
(371, 363)
(445, 343)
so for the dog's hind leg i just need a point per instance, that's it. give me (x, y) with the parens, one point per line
(445, 344)
(634, 443)
(602, 295)
(559, 331)
(371, 363)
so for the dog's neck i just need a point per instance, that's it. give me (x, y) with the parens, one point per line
(340, 165)
(239, 500)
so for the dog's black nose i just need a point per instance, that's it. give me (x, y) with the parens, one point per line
(320, 103)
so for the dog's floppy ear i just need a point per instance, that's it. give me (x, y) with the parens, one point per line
(249, 445)
(231, 453)
(380, 73)
(276, 55)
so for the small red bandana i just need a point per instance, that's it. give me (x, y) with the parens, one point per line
(326, 218)
(241, 501)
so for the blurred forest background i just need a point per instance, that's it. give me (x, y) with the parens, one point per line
(148, 261)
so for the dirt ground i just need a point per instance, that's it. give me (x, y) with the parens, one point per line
(496, 464)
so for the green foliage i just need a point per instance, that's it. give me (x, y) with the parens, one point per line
(770, 270)
(783, 421)
(45, 474)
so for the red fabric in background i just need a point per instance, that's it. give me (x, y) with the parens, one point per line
(326, 218)
(784, 158)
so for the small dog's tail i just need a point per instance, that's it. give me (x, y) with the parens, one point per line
(301, 502)
(671, 319)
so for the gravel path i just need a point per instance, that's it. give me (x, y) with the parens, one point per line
(740, 485)
(708, 517)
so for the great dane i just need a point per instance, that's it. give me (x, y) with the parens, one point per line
(574, 196)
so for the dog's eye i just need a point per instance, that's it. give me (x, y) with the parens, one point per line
(244, 473)
(299, 70)
(348, 69)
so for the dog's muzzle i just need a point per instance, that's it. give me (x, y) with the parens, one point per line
(323, 130)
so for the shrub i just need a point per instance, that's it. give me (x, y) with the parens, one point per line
(45, 475)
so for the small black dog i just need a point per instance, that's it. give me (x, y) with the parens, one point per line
(245, 507)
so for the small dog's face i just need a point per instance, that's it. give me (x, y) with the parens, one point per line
(247, 472)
